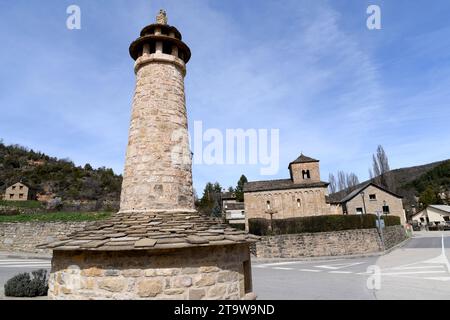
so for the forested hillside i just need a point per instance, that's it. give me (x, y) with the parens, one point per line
(58, 176)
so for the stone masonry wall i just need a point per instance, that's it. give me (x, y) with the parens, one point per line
(337, 243)
(394, 235)
(25, 236)
(215, 272)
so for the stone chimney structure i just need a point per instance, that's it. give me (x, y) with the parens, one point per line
(158, 169)
(157, 246)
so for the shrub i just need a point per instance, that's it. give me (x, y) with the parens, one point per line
(22, 285)
(391, 220)
(238, 226)
(325, 223)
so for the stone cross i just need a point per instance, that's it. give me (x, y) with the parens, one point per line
(161, 18)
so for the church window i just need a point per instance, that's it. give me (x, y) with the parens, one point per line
(298, 203)
(268, 205)
(306, 174)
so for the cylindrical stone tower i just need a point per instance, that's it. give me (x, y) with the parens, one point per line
(158, 167)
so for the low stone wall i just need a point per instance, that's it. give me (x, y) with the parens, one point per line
(25, 236)
(393, 236)
(211, 272)
(337, 243)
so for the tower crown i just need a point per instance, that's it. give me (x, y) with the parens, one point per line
(304, 170)
(160, 38)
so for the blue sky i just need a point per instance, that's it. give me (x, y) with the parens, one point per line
(309, 68)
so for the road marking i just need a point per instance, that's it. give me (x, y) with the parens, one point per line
(281, 268)
(412, 268)
(24, 261)
(343, 272)
(340, 265)
(293, 262)
(27, 266)
(438, 278)
(414, 272)
(310, 270)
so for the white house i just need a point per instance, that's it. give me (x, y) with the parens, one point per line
(436, 214)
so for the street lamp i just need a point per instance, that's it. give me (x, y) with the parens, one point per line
(364, 202)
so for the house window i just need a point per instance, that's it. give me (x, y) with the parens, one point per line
(11, 196)
(21, 188)
(268, 205)
(359, 210)
(21, 196)
(306, 174)
(298, 203)
(446, 218)
(372, 197)
(422, 220)
(385, 209)
(14, 187)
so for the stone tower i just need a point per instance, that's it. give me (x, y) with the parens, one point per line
(304, 170)
(157, 246)
(158, 169)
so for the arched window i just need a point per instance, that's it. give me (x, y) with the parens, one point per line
(299, 203)
(268, 205)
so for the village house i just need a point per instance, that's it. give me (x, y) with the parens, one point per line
(435, 214)
(233, 210)
(19, 192)
(303, 194)
(371, 199)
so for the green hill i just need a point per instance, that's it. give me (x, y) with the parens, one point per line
(58, 176)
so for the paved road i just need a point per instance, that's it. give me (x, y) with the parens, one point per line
(418, 270)
(10, 266)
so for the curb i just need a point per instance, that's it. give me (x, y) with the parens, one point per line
(399, 245)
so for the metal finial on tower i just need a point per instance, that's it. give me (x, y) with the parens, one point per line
(161, 18)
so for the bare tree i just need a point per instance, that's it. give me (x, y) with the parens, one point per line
(380, 169)
(352, 180)
(341, 180)
(333, 186)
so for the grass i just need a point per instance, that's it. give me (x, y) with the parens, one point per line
(57, 217)
(21, 204)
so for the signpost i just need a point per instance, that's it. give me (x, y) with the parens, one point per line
(380, 227)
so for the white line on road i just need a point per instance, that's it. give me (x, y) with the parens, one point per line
(340, 265)
(23, 261)
(26, 266)
(293, 262)
(281, 268)
(310, 270)
(343, 272)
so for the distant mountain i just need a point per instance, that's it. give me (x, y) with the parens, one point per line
(48, 175)
(412, 182)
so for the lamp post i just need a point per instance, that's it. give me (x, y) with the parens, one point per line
(364, 202)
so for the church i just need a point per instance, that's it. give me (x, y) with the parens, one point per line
(303, 194)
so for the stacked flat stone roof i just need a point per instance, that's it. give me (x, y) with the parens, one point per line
(148, 231)
(282, 184)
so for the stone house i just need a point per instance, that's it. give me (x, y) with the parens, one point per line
(233, 210)
(19, 192)
(303, 194)
(370, 199)
(436, 214)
